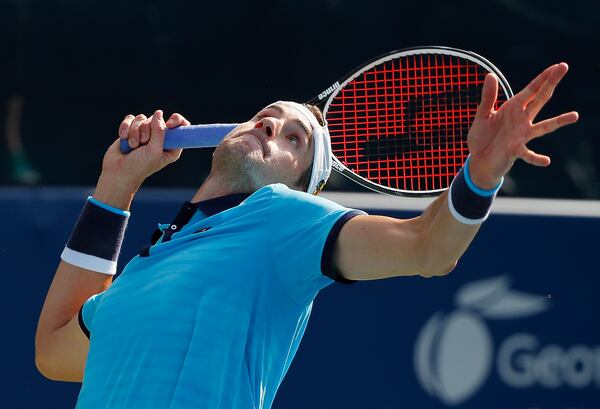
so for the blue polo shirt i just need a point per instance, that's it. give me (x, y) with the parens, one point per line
(212, 314)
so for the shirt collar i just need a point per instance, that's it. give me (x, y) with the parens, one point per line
(218, 204)
(207, 207)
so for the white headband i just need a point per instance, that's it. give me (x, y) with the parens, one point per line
(321, 167)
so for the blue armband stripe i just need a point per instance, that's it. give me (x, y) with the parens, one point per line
(473, 187)
(108, 207)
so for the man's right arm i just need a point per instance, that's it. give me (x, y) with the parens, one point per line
(61, 347)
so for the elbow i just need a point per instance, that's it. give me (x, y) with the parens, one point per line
(42, 365)
(436, 260)
(447, 269)
(41, 360)
(48, 370)
(438, 269)
(432, 258)
(44, 362)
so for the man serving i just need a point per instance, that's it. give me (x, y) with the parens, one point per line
(211, 315)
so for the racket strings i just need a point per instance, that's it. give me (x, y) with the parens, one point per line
(403, 123)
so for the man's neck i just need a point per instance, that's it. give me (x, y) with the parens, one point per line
(214, 187)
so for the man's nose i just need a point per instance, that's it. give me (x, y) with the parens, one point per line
(267, 125)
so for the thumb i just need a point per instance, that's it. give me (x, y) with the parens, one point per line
(489, 93)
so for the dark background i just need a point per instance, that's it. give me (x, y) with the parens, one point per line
(80, 66)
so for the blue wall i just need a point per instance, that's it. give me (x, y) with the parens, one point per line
(515, 325)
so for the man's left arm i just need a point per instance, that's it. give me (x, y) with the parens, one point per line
(374, 247)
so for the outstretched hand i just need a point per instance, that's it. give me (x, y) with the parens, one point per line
(497, 138)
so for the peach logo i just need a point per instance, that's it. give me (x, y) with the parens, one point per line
(454, 351)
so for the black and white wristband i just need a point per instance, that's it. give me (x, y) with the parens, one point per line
(95, 242)
(468, 203)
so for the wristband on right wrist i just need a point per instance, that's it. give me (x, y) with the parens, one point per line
(468, 203)
(95, 242)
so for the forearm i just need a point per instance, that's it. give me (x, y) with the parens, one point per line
(375, 247)
(444, 238)
(73, 285)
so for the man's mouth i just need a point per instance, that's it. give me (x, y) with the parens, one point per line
(263, 147)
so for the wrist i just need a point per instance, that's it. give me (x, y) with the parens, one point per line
(477, 175)
(468, 203)
(116, 194)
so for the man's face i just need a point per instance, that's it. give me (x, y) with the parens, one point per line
(275, 146)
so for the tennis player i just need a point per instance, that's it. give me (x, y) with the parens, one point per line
(211, 314)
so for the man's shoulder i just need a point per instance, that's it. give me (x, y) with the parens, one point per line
(281, 192)
(289, 200)
(277, 191)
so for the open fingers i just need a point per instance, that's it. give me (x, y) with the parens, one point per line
(552, 124)
(177, 120)
(489, 94)
(531, 90)
(533, 158)
(546, 89)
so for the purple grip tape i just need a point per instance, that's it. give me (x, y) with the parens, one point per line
(194, 136)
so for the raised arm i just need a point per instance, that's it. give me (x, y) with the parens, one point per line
(372, 247)
(60, 345)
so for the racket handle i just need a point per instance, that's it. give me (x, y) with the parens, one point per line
(193, 136)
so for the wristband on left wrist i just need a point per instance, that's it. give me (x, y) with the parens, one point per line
(474, 187)
(468, 203)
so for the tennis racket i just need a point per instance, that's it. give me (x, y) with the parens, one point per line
(398, 123)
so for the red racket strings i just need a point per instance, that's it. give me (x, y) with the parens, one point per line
(404, 122)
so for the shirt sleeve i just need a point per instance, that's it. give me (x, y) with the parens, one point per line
(302, 232)
(87, 311)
